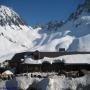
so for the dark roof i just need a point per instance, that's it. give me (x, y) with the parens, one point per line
(19, 56)
(41, 55)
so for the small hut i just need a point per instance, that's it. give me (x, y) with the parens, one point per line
(7, 74)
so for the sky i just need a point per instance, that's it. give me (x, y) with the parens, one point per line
(42, 11)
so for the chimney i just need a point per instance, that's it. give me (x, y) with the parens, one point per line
(61, 49)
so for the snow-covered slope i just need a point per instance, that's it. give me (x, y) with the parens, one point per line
(16, 36)
(73, 35)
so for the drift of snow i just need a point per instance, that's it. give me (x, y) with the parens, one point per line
(50, 83)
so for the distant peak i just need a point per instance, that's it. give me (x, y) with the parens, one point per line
(9, 17)
(82, 8)
(7, 10)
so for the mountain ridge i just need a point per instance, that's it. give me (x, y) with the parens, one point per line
(73, 35)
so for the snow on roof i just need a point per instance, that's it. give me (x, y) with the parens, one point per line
(31, 61)
(7, 72)
(78, 58)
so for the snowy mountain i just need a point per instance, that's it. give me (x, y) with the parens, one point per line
(72, 34)
(9, 17)
(15, 35)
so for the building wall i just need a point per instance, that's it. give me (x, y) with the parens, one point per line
(55, 67)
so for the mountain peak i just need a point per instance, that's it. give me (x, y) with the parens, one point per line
(9, 17)
(6, 10)
(83, 8)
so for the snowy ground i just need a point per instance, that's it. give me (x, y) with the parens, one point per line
(50, 83)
